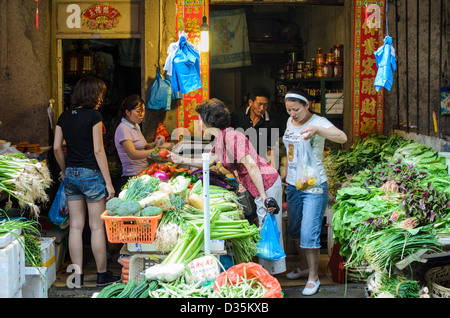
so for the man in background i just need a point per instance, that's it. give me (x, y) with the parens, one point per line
(262, 131)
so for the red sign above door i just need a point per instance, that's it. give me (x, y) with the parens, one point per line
(101, 17)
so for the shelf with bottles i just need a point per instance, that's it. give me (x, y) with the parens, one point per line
(326, 94)
(84, 62)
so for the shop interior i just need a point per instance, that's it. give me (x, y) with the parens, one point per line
(282, 39)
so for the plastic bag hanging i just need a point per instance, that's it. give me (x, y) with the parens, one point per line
(386, 63)
(160, 95)
(186, 67)
(269, 247)
(59, 211)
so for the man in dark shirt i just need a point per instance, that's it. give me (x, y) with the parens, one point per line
(262, 131)
(260, 128)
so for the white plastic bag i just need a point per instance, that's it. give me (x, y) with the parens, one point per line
(307, 169)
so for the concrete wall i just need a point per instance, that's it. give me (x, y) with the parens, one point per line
(23, 72)
(26, 78)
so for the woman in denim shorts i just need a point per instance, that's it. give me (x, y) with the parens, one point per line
(306, 204)
(85, 173)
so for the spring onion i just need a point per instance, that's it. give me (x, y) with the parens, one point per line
(25, 179)
(395, 285)
(140, 187)
(390, 245)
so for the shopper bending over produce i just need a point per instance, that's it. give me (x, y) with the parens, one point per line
(130, 143)
(85, 174)
(235, 152)
(307, 194)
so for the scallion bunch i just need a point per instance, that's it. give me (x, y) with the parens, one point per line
(24, 179)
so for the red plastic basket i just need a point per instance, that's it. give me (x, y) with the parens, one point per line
(131, 229)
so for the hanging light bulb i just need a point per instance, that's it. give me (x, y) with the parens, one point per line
(204, 32)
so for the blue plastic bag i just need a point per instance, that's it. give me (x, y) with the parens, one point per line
(386, 63)
(59, 211)
(160, 95)
(186, 68)
(269, 247)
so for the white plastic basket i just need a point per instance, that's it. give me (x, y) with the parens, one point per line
(140, 262)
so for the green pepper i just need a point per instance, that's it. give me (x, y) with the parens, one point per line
(186, 174)
(194, 178)
(176, 174)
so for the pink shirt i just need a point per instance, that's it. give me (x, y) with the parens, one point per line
(237, 146)
(128, 131)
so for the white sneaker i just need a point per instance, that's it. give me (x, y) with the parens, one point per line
(297, 273)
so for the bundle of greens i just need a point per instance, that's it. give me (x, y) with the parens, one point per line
(29, 229)
(423, 158)
(25, 179)
(385, 247)
(354, 206)
(427, 204)
(395, 286)
(139, 187)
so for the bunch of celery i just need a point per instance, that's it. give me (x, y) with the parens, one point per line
(190, 242)
(24, 179)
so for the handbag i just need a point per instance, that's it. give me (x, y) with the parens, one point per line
(59, 211)
(269, 247)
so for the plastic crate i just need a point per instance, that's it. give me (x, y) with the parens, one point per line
(131, 229)
(140, 262)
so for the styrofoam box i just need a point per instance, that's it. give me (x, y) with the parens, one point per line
(48, 252)
(12, 268)
(8, 238)
(141, 247)
(36, 285)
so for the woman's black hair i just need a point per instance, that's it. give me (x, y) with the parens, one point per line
(298, 91)
(129, 103)
(214, 113)
(88, 92)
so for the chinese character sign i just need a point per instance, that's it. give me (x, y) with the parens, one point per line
(368, 103)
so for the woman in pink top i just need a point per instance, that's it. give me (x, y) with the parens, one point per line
(233, 149)
(132, 148)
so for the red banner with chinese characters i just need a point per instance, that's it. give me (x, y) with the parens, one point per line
(189, 19)
(368, 104)
(101, 17)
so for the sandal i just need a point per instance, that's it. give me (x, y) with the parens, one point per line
(311, 291)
